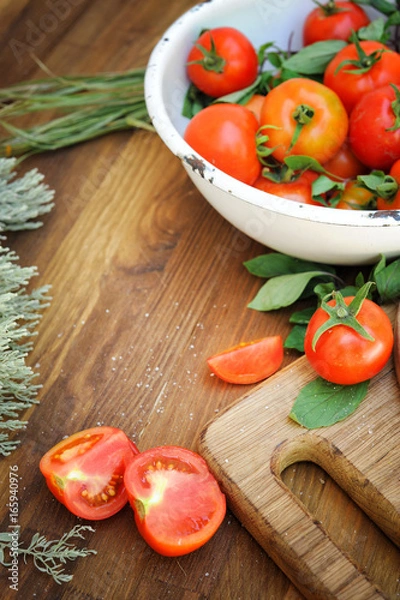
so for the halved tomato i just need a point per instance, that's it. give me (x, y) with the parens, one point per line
(249, 362)
(177, 502)
(85, 471)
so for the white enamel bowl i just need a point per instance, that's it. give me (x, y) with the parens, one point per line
(321, 234)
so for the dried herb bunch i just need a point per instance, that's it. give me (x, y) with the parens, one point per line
(74, 108)
(21, 200)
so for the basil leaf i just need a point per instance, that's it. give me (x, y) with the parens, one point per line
(321, 403)
(313, 59)
(283, 290)
(302, 317)
(388, 282)
(295, 339)
(376, 31)
(274, 263)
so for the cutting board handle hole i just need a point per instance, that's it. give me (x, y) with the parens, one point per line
(323, 482)
(359, 538)
(314, 448)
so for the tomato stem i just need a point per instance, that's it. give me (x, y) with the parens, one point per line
(364, 62)
(211, 60)
(342, 314)
(330, 8)
(303, 115)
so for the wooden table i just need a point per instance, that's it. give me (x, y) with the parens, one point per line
(147, 282)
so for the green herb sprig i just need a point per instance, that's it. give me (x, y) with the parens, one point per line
(75, 109)
(49, 556)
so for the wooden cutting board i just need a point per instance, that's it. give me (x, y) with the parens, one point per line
(249, 445)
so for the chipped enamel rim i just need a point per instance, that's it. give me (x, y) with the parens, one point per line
(166, 84)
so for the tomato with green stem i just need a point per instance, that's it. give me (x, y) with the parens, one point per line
(177, 502)
(222, 61)
(333, 21)
(349, 339)
(225, 135)
(248, 362)
(374, 130)
(303, 117)
(85, 471)
(359, 68)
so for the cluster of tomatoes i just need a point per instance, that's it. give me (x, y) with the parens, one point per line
(347, 121)
(177, 502)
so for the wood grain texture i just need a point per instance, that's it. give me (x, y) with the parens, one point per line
(147, 282)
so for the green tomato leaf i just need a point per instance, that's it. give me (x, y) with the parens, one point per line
(387, 280)
(376, 30)
(313, 59)
(295, 339)
(282, 290)
(274, 263)
(321, 403)
(302, 317)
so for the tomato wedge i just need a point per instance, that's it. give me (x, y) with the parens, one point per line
(85, 471)
(248, 362)
(177, 502)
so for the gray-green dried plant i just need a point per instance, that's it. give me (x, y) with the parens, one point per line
(22, 200)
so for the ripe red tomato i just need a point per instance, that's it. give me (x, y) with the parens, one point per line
(85, 471)
(380, 66)
(225, 135)
(356, 197)
(248, 362)
(333, 21)
(222, 61)
(342, 355)
(345, 165)
(177, 502)
(304, 106)
(393, 203)
(374, 130)
(299, 190)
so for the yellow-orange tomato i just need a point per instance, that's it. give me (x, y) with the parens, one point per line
(309, 110)
(356, 197)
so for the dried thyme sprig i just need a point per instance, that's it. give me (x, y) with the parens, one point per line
(22, 199)
(90, 106)
(19, 314)
(49, 556)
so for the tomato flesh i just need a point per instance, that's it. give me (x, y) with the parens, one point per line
(85, 471)
(248, 362)
(343, 356)
(177, 502)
